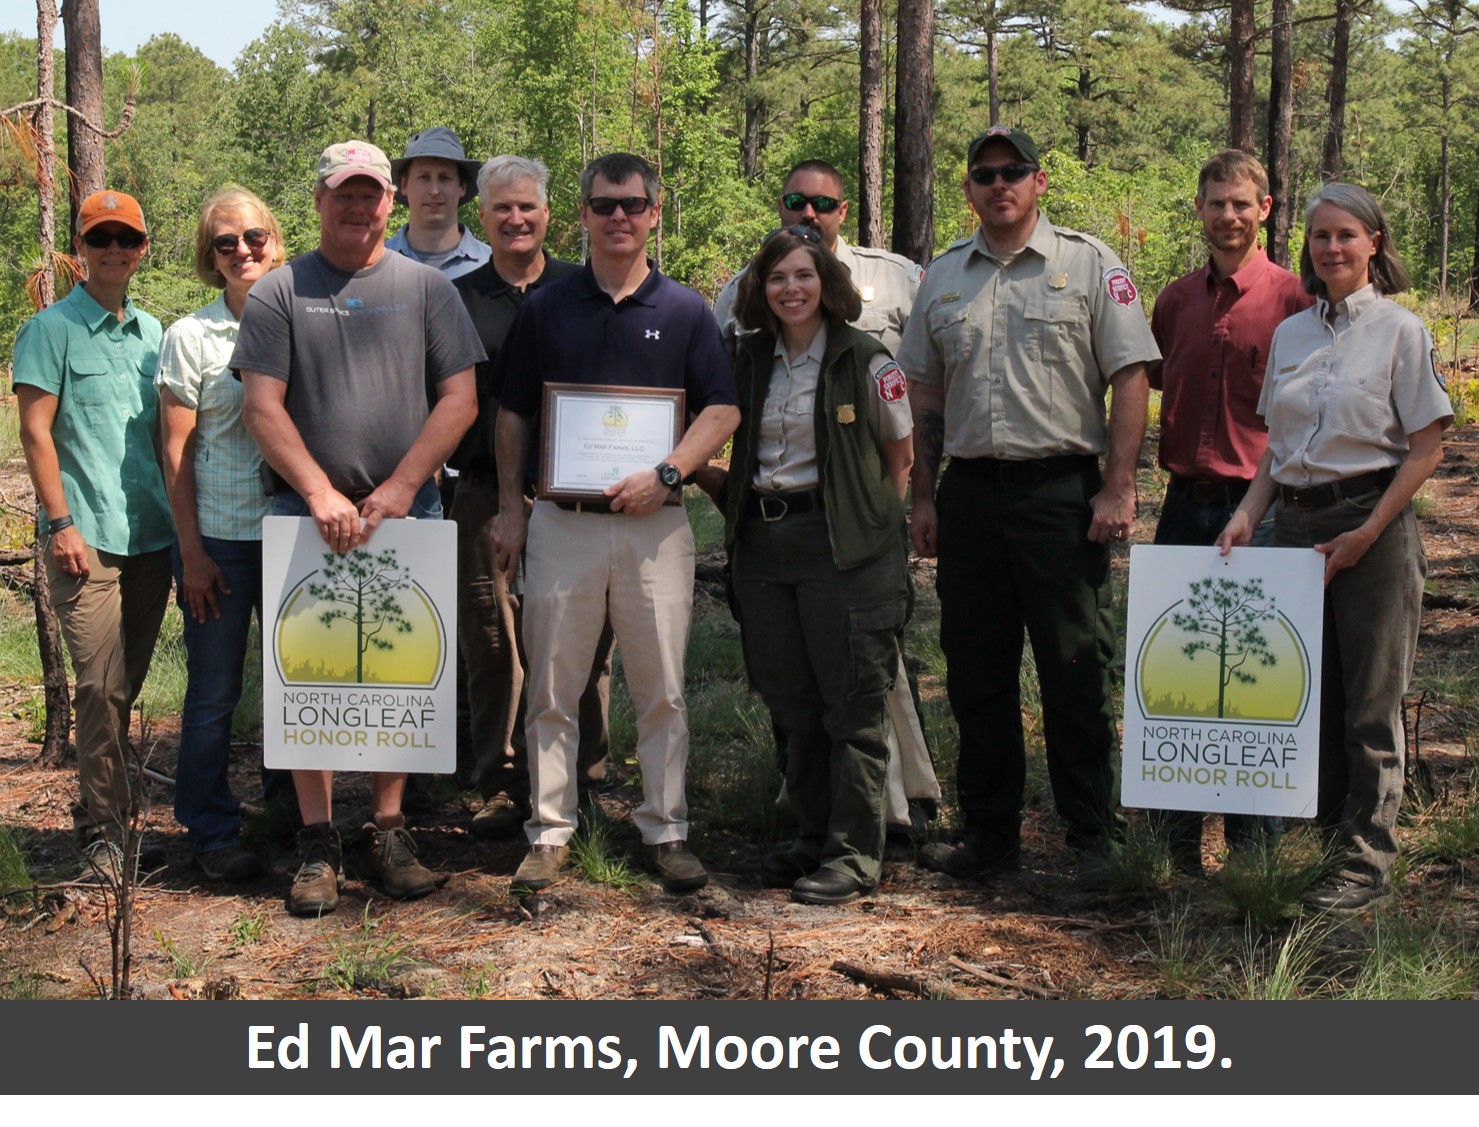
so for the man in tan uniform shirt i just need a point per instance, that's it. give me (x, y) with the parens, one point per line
(1017, 335)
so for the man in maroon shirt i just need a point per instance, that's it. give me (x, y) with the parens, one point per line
(1213, 327)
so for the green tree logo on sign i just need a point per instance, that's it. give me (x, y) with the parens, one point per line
(360, 587)
(1225, 618)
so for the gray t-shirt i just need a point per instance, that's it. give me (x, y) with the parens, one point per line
(360, 353)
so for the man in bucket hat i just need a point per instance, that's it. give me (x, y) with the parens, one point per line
(434, 179)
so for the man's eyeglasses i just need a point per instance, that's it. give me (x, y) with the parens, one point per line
(607, 205)
(800, 231)
(822, 205)
(1010, 173)
(127, 238)
(254, 237)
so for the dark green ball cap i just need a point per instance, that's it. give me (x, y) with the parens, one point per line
(1026, 147)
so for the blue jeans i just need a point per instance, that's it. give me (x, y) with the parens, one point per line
(1187, 520)
(426, 506)
(215, 658)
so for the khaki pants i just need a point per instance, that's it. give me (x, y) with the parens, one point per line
(110, 621)
(489, 632)
(639, 569)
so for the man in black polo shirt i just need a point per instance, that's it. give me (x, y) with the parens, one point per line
(514, 208)
(618, 322)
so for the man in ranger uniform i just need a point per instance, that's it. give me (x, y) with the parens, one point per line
(1018, 333)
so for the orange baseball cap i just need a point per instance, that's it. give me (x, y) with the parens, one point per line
(110, 207)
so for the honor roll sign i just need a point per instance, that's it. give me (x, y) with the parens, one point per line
(1222, 680)
(358, 648)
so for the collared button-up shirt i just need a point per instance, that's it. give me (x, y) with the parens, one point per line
(886, 284)
(1214, 338)
(1343, 392)
(1024, 349)
(194, 364)
(469, 253)
(786, 447)
(102, 371)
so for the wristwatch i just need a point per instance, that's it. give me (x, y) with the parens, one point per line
(668, 474)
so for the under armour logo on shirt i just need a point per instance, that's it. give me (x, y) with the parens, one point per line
(654, 334)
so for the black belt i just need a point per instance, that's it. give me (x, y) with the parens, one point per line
(1323, 496)
(1225, 493)
(774, 506)
(1027, 471)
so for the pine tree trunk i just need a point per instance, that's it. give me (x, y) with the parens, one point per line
(1242, 32)
(914, 133)
(56, 693)
(1340, 57)
(1280, 122)
(84, 52)
(870, 126)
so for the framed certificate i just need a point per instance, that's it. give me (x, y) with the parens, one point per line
(594, 436)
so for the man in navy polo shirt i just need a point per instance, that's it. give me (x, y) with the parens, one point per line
(618, 322)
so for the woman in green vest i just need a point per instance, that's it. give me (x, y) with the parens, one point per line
(814, 524)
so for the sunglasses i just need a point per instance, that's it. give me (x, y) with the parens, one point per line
(800, 231)
(1010, 173)
(822, 205)
(254, 237)
(607, 205)
(128, 239)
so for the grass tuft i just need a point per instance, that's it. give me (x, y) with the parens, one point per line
(248, 928)
(183, 964)
(593, 854)
(367, 957)
(1263, 887)
(1274, 970)
(1183, 963)
(15, 872)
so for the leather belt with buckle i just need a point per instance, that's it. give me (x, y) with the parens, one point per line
(774, 506)
(1323, 496)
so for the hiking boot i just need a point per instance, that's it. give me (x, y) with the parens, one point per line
(541, 867)
(1347, 896)
(320, 869)
(500, 818)
(971, 859)
(391, 857)
(677, 868)
(102, 863)
(229, 864)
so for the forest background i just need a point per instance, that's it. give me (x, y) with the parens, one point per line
(725, 97)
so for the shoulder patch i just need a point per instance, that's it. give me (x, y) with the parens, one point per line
(1121, 289)
(1437, 371)
(916, 272)
(891, 381)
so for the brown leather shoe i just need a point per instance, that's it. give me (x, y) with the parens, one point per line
(391, 856)
(321, 868)
(677, 868)
(541, 868)
(500, 818)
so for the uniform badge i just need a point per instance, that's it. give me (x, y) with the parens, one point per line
(1057, 281)
(945, 298)
(917, 273)
(846, 414)
(1121, 289)
(866, 293)
(892, 384)
(1437, 371)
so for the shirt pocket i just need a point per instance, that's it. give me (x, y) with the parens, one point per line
(1360, 405)
(873, 320)
(93, 379)
(953, 332)
(1051, 324)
